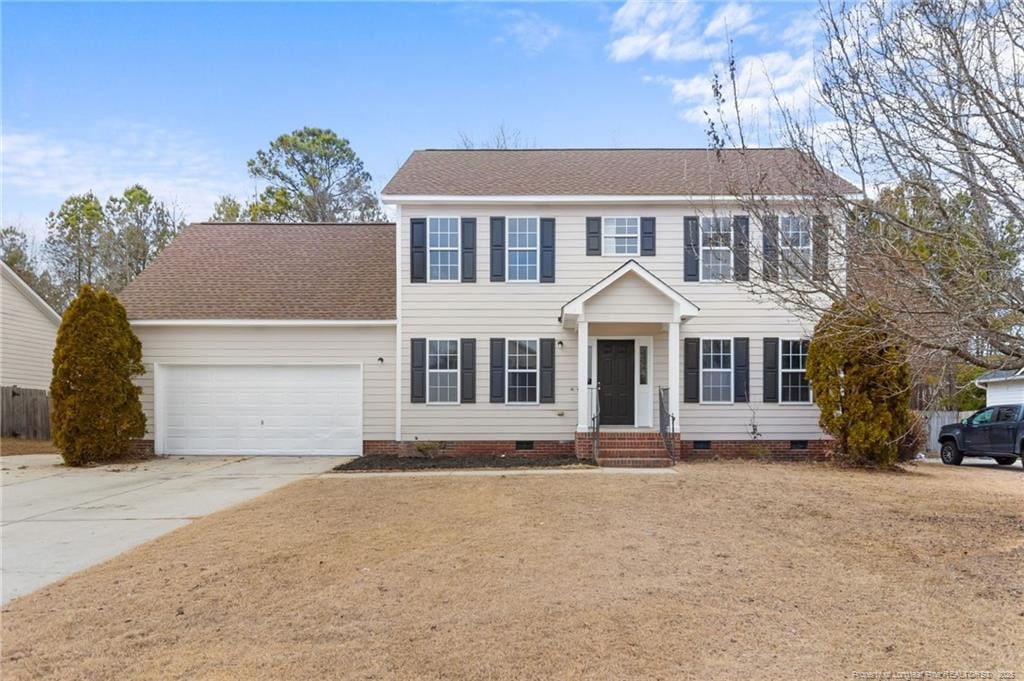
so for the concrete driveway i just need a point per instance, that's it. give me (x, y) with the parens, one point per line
(56, 521)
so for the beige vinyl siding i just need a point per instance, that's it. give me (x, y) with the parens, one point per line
(629, 298)
(281, 345)
(27, 338)
(486, 309)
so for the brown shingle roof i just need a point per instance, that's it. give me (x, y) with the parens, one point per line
(270, 271)
(609, 172)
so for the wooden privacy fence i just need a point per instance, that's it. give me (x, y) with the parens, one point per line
(24, 412)
(934, 420)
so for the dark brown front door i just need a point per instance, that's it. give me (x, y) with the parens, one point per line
(615, 377)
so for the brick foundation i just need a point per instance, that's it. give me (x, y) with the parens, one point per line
(613, 440)
(768, 450)
(141, 448)
(541, 448)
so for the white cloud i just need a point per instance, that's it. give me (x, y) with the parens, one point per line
(732, 19)
(532, 32)
(802, 30)
(43, 168)
(763, 83)
(667, 31)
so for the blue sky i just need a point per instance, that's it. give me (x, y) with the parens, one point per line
(179, 96)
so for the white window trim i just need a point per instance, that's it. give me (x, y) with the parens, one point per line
(638, 235)
(810, 391)
(732, 369)
(458, 372)
(457, 249)
(509, 249)
(783, 247)
(731, 248)
(509, 341)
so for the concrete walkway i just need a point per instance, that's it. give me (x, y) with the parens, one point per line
(55, 521)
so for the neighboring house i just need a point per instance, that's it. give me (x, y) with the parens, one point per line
(524, 297)
(28, 329)
(1002, 386)
(28, 333)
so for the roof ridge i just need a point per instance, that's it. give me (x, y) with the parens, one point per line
(293, 224)
(614, 149)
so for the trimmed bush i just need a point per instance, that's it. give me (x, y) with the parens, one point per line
(96, 410)
(861, 381)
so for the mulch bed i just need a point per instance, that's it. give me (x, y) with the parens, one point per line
(420, 463)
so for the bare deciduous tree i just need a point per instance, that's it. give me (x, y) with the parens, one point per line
(502, 138)
(925, 107)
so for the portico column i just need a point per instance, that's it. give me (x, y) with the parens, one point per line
(673, 371)
(582, 389)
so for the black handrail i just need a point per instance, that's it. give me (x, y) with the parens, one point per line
(595, 422)
(667, 423)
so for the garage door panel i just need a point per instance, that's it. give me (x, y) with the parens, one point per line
(261, 409)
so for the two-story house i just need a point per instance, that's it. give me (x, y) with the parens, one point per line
(523, 300)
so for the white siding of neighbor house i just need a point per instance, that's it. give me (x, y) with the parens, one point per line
(483, 310)
(27, 338)
(1005, 392)
(281, 345)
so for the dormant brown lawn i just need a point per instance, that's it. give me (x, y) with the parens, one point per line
(11, 446)
(723, 571)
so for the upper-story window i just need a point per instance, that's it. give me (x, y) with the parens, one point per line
(716, 261)
(523, 249)
(620, 236)
(443, 249)
(795, 245)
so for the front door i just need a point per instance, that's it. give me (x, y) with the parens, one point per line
(615, 379)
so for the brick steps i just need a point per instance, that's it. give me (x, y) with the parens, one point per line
(632, 453)
(633, 462)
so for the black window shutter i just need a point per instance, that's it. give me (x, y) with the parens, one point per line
(741, 247)
(819, 246)
(467, 370)
(468, 249)
(647, 236)
(770, 248)
(498, 370)
(418, 390)
(497, 249)
(418, 250)
(691, 370)
(593, 236)
(741, 369)
(547, 250)
(547, 370)
(691, 249)
(771, 369)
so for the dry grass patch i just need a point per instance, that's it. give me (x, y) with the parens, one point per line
(12, 446)
(724, 571)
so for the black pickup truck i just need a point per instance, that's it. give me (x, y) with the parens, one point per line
(994, 432)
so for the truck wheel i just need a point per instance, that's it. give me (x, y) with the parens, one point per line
(950, 453)
(1005, 460)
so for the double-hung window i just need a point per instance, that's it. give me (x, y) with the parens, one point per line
(443, 249)
(443, 371)
(716, 249)
(620, 236)
(716, 370)
(521, 370)
(794, 246)
(795, 388)
(523, 249)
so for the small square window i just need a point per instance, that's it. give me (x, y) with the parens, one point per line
(702, 444)
(524, 445)
(798, 444)
(620, 236)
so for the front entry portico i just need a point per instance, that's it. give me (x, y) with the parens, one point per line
(628, 340)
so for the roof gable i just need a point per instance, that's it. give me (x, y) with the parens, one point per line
(25, 290)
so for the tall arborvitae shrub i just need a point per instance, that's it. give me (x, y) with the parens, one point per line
(861, 382)
(95, 406)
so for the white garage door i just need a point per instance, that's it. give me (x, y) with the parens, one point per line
(261, 410)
